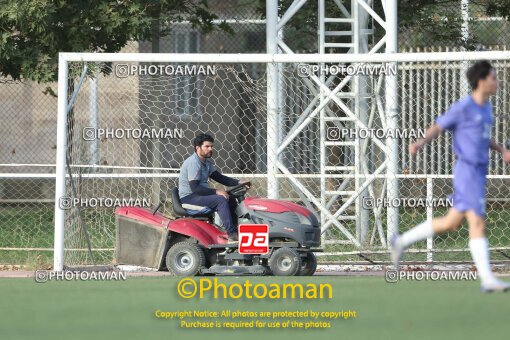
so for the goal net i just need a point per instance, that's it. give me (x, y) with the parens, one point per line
(330, 136)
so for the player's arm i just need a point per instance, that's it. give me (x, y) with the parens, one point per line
(496, 146)
(501, 149)
(225, 180)
(200, 190)
(447, 121)
(222, 179)
(431, 134)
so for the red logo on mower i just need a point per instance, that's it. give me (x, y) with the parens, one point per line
(253, 239)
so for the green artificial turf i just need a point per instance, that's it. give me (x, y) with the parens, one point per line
(125, 309)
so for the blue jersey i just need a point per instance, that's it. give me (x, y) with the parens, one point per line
(471, 125)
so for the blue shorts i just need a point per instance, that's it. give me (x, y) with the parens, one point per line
(469, 181)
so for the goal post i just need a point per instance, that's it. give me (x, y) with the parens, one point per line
(144, 109)
(60, 177)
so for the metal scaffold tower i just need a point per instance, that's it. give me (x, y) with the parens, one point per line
(350, 97)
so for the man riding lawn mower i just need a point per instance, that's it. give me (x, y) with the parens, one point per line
(192, 244)
(194, 189)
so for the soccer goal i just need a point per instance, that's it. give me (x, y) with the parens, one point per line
(328, 131)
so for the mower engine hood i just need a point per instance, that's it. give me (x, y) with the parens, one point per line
(274, 206)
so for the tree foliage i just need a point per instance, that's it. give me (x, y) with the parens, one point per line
(33, 32)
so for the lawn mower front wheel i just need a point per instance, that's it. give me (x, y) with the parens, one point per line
(285, 262)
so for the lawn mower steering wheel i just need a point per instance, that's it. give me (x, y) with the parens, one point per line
(239, 189)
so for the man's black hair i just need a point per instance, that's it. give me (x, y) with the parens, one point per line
(201, 138)
(477, 71)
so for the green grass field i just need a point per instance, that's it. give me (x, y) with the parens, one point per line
(125, 310)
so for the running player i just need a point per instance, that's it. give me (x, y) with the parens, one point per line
(470, 122)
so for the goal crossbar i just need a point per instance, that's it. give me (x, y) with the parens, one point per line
(284, 58)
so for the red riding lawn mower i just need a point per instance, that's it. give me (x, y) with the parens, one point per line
(193, 244)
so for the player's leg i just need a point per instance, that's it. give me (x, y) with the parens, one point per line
(218, 203)
(232, 203)
(451, 221)
(479, 247)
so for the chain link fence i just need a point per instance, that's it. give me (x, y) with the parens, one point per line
(108, 161)
(231, 106)
(28, 145)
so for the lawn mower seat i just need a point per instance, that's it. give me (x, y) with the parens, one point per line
(189, 210)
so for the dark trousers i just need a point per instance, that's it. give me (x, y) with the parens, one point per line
(225, 208)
